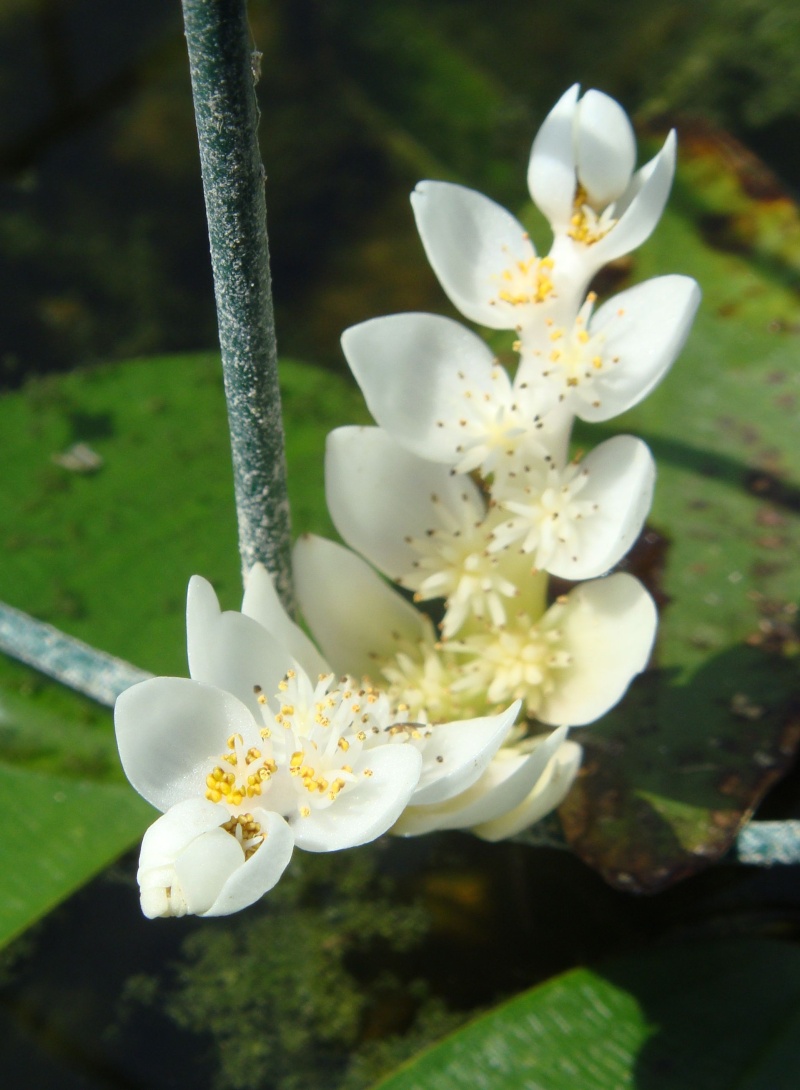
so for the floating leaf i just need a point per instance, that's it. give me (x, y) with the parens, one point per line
(106, 556)
(661, 1019)
(671, 776)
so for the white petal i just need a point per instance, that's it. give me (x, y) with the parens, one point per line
(549, 792)
(170, 733)
(608, 626)
(644, 328)
(640, 209)
(204, 866)
(459, 753)
(170, 834)
(621, 476)
(202, 613)
(232, 651)
(605, 148)
(355, 617)
(504, 785)
(395, 358)
(163, 842)
(366, 810)
(551, 169)
(470, 242)
(380, 495)
(258, 874)
(261, 602)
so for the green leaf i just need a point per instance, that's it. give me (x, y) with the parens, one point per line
(106, 555)
(671, 776)
(710, 1016)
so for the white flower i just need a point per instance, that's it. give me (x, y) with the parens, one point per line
(430, 531)
(201, 857)
(420, 524)
(569, 663)
(453, 754)
(579, 520)
(240, 785)
(604, 364)
(439, 391)
(549, 792)
(581, 176)
(398, 649)
(573, 663)
(508, 785)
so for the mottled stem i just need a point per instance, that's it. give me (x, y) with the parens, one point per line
(72, 662)
(221, 60)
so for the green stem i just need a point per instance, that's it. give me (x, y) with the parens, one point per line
(221, 63)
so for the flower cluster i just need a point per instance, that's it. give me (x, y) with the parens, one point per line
(465, 496)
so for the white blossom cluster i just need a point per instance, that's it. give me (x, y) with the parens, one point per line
(464, 495)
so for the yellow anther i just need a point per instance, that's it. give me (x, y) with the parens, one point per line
(305, 811)
(296, 759)
(583, 336)
(557, 334)
(362, 736)
(234, 740)
(287, 709)
(213, 796)
(597, 362)
(343, 744)
(347, 768)
(252, 755)
(265, 733)
(368, 772)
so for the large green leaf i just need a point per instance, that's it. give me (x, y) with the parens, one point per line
(670, 777)
(706, 1016)
(106, 556)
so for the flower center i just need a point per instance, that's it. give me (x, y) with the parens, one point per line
(419, 684)
(518, 662)
(548, 515)
(247, 832)
(525, 282)
(240, 774)
(586, 225)
(576, 357)
(315, 727)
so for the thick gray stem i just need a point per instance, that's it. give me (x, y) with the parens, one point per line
(221, 62)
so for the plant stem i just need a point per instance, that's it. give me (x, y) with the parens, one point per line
(72, 662)
(221, 62)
